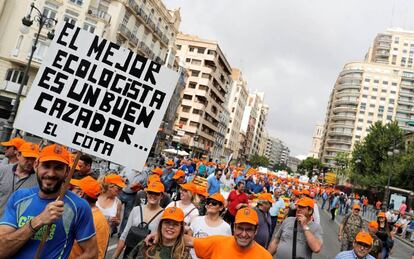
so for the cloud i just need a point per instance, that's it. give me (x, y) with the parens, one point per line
(293, 50)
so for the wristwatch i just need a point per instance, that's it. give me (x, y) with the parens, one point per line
(306, 228)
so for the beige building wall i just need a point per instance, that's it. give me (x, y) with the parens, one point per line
(199, 125)
(379, 89)
(237, 102)
(102, 17)
(260, 113)
(316, 141)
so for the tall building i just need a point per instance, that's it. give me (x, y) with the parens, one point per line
(293, 163)
(201, 122)
(316, 141)
(378, 89)
(237, 102)
(276, 151)
(146, 27)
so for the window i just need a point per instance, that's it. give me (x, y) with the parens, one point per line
(89, 25)
(360, 120)
(393, 92)
(394, 83)
(391, 101)
(191, 49)
(50, 10)
(77, 2)
(385, 82)
(367, 79)
(192, 85)
(359, 128)
(370, 114)
(201, 50)
(382, 98)
(195, 73)
(40, 51)
(372, 105)
(196, 62)
(376, 81)
(366, 88)
(384, 90)
(186, 108)
(15, 76)
(70, 17)
(178, 47)
(364, 96)
(187, 97)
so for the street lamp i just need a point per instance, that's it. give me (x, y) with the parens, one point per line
(27, 21)
(392, 153)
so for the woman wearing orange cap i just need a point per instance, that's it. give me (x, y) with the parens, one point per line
(187, 195)
(170, 243)
(385, 235)
(149, 213)
(108, 201)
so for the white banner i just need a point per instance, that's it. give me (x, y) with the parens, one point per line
(95, 96)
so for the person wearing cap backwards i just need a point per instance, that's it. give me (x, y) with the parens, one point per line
(308, 233)
(264, 228)
(20, 175)
(11, 150)
(170, 243)
(108, 201)
(89, 189)
(349, 228)
(240, 245)
(29, 211)
(376, 242)
(211, 224)
(148, 213)
(361, 247)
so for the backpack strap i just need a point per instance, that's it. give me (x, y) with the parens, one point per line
(295, 236)
(188, 213)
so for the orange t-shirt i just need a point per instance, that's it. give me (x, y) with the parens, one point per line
(102, 235)
(226, 247)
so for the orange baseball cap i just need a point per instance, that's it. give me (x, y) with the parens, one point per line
(247, 215)
(202, 190)
(89, 185)
(306, 202)
(153, 178)
(158, 171)
(173, 213)
(266, 197)
(115, 179)
(373, 224)
(29, 149)
(364, 237)
(381, 215)
(178, 174)
(55, 152)
(170, 162)
(189, 187)
(296, 192)
(155, 187)
(14, 142)
(356, 206)
(218, 197)
(306, 192)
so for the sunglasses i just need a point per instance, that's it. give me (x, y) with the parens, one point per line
(249, 230)
(154, 193)
(212, 202)
(357, 209)
(365, 246)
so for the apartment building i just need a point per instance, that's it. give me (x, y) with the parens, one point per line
(247, 129)
(256, 100)
(202, 117)
(380, 88)
(276, 151)
(144, 26)
(293, 163)
(316, 141)
(237, 102)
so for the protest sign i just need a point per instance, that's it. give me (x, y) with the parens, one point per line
(97, 97)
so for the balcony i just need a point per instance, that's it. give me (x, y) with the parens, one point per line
(347, 93)
(151, 24)
(123, 31)
(339, 141)
(100, 14)
(344, 109)
(343, 117)
(159, 60)
(346, 101)
(12, 87)
(347, 86)
(339, 133)
(406, 101)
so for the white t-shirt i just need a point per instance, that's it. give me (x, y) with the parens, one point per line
(201, 229)
(189, 216)
(134, 219)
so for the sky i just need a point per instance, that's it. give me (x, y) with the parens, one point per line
(293, 50)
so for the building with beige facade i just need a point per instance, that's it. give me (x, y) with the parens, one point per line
(144, 26)
(380, 88)
(200, 125)
(316, 141)
(237, 102)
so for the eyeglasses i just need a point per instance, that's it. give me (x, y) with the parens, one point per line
(154, 193)
(249, 230)
(363, 245)
(212, 202)
(171, 223)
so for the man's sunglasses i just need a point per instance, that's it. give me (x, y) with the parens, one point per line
(366, 246)
(154, 193)
(213, 202)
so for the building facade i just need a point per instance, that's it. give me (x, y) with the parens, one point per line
(144, 26)
(276, 151)
(316, 141)
(293, 163)
(202, 116)
(237, 102)
(377, 89)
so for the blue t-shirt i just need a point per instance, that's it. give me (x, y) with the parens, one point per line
(75, 223)
(213, 185)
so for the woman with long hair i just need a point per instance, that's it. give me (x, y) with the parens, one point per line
(108, 201)
(170, 242)
(385, 235)
(187, 195)
(150, 215)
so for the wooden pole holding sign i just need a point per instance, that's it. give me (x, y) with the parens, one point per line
(63, 190)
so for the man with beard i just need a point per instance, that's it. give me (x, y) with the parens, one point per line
(240, 245)
(85, 168)
(29, 211)
(19, 175)
(299, 235)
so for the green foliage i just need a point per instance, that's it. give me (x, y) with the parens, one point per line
(405, 177)
(309, 164)
(342, 161)
(281, 167)
(256, 160)
(370, 163)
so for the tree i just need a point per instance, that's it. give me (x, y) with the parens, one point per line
(342, 161)
(370, 162)
(405, 177)
(257, 160)
(282, 167)
(309, 164)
